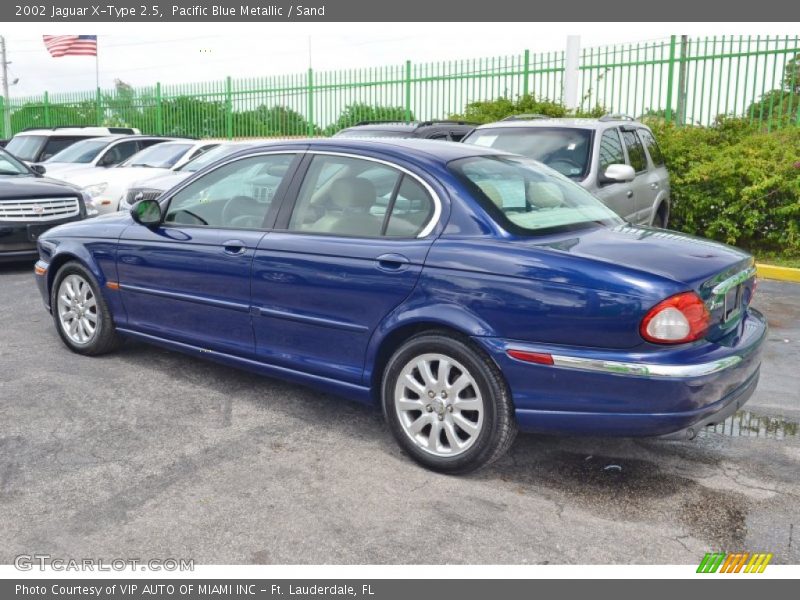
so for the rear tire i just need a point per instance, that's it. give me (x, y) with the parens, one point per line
(447, 404)
(80, 312)
(660, 219)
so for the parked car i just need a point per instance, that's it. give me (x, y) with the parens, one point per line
(465, 290)
(616, 158)
(35, 145)
(99, 153)
(29, 205)
(154, 186)
(106, 186)
(451, 131)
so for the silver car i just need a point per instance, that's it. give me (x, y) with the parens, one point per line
(614, 157)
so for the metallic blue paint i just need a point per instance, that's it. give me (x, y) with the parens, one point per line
(320, 310)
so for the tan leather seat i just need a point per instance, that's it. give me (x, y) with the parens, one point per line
(348, 214)
(492, 193)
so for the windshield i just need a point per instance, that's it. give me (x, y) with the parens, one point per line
(565, 149)
(11, 166)
(26, 147)
(161, 156)
(208, 157)
(373, 133)
(525, 198)
(80, 152)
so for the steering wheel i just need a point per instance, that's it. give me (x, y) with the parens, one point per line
(242, 209)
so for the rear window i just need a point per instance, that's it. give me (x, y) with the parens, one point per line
(565, 149)
(526, 199)
(84, 151)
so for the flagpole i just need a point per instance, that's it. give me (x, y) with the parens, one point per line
(97, 77)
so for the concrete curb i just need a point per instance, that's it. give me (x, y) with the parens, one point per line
(780, 273)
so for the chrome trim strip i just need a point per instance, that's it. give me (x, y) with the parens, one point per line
(645, 369)
(731, 282)
(320, 321)
(237, 306)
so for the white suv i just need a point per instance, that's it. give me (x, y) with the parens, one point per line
(35, 145)
(614, 157)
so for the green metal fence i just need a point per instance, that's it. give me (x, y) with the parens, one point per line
(680, 79)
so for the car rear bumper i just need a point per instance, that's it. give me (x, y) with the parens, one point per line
(671, 391)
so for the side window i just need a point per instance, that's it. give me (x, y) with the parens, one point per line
(635, 151)
(411, 210)
(355, 197)
(236, 195)
(652, 147)
(147, 143)
(119, 152)
(201, 150)
(610, 150)
(57, 144)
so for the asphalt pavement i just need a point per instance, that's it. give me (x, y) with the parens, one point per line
(147, 453)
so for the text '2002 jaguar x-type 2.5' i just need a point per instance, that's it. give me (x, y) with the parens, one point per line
(466, 291)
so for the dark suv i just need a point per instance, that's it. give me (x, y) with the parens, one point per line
(451, 131)
(31, 204)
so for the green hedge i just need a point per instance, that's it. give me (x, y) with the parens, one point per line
(735, 183)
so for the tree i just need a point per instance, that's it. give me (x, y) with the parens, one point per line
(791, 77)
(487, 111)
(358, 112)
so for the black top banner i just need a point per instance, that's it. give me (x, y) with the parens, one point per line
(405, 11)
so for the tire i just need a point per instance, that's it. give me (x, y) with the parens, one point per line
(453, 417)
(76, 311)
(660, 220)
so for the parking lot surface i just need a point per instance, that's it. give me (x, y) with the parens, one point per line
(151, 454)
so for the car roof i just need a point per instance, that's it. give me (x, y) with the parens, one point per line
(567, 122)
(438, 151)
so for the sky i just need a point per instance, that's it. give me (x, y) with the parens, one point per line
(141, 54)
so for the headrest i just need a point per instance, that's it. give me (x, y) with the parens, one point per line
(352, 192)
(544, 194)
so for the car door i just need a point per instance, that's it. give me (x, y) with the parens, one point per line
(347, 249)
(618, 196)
(189, 278)
(642, 185)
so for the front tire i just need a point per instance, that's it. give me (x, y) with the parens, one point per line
(447, 404)
(80, 312)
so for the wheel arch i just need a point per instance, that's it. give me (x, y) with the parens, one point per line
(76, 254)
(394, 332)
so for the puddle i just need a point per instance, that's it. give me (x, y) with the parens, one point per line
(747, 424)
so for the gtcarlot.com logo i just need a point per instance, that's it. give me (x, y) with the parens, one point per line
(28, 562)
(737, 562)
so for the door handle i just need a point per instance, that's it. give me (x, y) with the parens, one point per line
(392, 262)
(234, 247)
(654, 186)
(629, 194)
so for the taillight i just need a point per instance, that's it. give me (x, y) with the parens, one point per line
(678, 319)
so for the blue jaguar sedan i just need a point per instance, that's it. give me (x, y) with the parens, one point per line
(466, 292)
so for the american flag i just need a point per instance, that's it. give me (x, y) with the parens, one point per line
(71, 45)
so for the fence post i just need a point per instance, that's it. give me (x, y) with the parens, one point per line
(670, 77)
(526, 69)
(6, 127)
(46, 110)
(681, 116)
(310, 101)
(408, 91)
(98, 102)
(159, 113)
(228, 108)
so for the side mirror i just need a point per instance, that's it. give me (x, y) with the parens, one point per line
(147, 213)
(107, 161)
(618, 173)
(38, 169)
